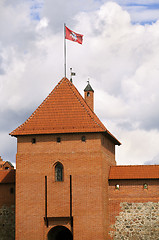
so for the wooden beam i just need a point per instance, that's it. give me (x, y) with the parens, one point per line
(71, 217)
(46, 219)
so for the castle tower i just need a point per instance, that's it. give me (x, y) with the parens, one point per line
(89, 96)
(64, 153)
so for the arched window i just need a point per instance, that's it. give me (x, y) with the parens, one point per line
(58, 172)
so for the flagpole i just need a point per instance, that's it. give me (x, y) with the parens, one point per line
(65, 49)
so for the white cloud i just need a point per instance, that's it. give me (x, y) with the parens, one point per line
(43, 23)
(141, 11)
(154, 160)
(15, 24)
(144, 144)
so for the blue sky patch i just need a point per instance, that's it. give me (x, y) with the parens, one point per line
(35, 9)
(147, 6)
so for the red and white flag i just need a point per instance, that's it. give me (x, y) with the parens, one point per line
(71, 35)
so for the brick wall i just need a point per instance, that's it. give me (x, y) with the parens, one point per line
(88, 162)
(7, 194)
(131, 209)
(7, 211)
(89, 98)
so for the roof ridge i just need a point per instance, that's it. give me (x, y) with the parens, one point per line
(51, 116)
(134, 172)
(37, 109)
(71, 87)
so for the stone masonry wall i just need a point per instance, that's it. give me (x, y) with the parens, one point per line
(7, 223)
(136, 221)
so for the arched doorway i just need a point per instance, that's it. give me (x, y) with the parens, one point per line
(59, 233)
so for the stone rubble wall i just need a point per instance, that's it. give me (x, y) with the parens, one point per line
(136, 221)
(7, 223)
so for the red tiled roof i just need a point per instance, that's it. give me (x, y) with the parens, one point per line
(2, 162)
(63, 111)
(134, 172)
(7, 176)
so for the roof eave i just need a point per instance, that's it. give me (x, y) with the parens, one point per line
(109, 135)
(112, 138)
(136, 178)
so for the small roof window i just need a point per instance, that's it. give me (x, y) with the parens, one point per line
(33, 140)
(117, 186)
(145, 186)
(83, 138)
(58, 139)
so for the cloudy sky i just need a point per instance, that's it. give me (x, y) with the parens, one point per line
(120, 56)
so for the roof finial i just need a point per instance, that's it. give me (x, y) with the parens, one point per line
(71, 74)
(88, 87)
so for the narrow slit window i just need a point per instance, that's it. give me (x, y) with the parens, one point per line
(59, 172)
(33, 140)
(58, 139)
(83, 138)
(11, 190)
